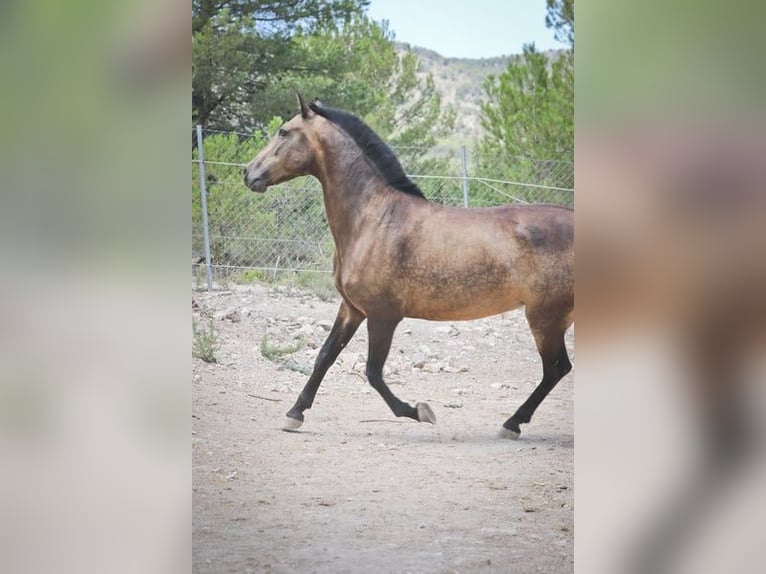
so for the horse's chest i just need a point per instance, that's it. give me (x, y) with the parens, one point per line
(371, 290)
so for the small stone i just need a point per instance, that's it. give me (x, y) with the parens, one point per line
(433, 367)
(426, 350)
(306, 331)
(234, 316)
(452, 369)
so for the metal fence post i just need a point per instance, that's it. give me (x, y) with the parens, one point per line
(465, 175)
(203, 199)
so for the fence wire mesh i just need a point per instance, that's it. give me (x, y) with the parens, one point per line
(285, 229)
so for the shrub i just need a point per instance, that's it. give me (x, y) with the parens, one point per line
(205, 343)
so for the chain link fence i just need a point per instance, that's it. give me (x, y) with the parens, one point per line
(244, 235)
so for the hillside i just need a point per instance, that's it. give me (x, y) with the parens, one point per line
(460, 83)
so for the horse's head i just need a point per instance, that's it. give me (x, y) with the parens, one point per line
(289, 154)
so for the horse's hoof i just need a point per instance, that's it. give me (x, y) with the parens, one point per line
(510, 434)
(425, 414)
(290, 424)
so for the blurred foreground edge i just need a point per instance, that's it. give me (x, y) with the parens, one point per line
(671, 278)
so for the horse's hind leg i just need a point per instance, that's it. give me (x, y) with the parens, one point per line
(346, 324)
(548, 329)
(380, 335)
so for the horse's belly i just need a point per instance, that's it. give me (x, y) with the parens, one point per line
(393, 300)
(461, 308)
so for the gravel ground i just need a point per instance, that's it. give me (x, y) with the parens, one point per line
(358, 490)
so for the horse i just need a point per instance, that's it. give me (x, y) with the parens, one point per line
(399, 255)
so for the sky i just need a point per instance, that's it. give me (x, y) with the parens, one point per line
(467, 28)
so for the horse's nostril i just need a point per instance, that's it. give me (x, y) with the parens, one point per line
(244, 171)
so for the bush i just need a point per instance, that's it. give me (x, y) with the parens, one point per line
(274, 352)
(205, 343)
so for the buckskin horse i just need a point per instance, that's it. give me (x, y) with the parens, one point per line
(399, 255)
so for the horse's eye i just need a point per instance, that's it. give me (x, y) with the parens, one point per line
(282, 133)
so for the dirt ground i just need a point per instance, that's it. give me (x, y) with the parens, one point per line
(357, 490)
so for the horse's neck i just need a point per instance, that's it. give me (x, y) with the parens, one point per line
(353, 192)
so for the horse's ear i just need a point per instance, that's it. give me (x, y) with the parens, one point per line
(305, 111)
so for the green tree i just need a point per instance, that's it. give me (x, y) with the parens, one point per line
(560, 17)
(361, 71)
(529, 108)
(249, 59)
(240, 47)
(528, 116)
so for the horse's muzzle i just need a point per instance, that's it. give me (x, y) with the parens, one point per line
(256, 182)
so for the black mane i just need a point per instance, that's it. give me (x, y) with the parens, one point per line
(373, 147)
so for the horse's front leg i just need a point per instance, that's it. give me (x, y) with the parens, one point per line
(381, 334)
(346, 324)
